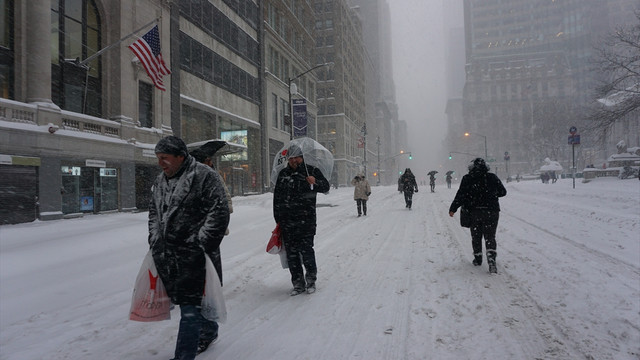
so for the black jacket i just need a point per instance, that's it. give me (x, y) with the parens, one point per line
(408, 181)
(479, 190)
(294, 202)
(194, 220)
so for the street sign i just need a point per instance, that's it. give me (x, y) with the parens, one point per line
(573, 130)
(574, 139)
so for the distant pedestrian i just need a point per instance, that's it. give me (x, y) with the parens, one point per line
(361, 192)
(448, 178)
(188, 216)
(432, 182)
(478, 193)
(409, 186)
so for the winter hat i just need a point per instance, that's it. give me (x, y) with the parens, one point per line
(479, 165)
(294, 150)
(172, 145)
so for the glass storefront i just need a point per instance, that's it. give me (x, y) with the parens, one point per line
(89, 189)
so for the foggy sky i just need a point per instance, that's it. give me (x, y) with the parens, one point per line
(419, 76)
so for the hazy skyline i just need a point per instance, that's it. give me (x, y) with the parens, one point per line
(419, 73)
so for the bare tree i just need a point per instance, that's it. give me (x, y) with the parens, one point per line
(618, 63)
(552, 119)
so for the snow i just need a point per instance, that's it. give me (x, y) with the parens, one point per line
(396, 284)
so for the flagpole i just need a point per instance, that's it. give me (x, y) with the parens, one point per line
(85, 61)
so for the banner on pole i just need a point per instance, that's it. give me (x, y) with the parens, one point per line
(299, 117)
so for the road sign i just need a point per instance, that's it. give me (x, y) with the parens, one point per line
(574, 139)
(573, 130)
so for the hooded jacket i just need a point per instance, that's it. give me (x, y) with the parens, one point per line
(479, 189)
(408, 181)
(183, 223)
(362, 188)
(294, 202)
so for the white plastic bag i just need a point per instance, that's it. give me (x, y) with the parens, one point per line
(283, 257)
(213, 306)
(150, 301)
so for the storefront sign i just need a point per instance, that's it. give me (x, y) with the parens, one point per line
(6, 160)
(95, 163)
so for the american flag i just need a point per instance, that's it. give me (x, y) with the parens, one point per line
(147, 49)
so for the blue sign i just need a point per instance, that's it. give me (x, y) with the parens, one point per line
(299, 117)
(86, 203)
(574, 139)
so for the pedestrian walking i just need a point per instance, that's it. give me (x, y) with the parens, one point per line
(409, 186)
(448, 179)
(361, 192)
(294, 209)
(478, 194)
(188, 216)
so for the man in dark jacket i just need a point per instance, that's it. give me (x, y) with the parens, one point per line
(478, 193)
(188, 216)
(409, 186)
(294, 208)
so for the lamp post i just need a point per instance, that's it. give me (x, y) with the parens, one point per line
(485, 143)
(295, 89)
(378, 143)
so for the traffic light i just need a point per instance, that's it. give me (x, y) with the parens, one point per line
(410, 156)
(450, 157)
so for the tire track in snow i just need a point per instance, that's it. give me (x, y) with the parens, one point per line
(510, 306)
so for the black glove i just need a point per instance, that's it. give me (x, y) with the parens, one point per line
(368, 193)
(416, 190)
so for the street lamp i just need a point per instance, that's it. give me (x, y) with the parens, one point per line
(378, 142)
(485, 143)
(295, 90)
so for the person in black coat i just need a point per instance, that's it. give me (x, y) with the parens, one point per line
(294, 208)
(188, 216)
(409, 186)
(478, 193)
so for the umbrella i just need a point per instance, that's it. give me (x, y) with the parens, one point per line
(314, 154)
(450, 172)
(216, 146)
(432, 172)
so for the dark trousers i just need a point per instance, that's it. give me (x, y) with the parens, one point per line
(362, 206)
(193, 326)
(408, 198)
(300, 253)
(484, 223)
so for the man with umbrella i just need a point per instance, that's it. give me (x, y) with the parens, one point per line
(449, 178)
(432, 180)
(294, 208)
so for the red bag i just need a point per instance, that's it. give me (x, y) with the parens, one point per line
(150, 301)
(275, 243)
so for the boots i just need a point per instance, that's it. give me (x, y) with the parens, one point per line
(491, 260)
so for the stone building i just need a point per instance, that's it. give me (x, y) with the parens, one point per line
(78, 137)
(341, 89)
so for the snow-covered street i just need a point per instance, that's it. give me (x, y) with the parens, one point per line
(396, 284)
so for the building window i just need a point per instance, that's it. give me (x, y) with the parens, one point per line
(6, 49)
(274, 111)
(76, 36)
(145, 104)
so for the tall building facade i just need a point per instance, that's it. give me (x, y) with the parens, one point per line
(78, 137)
(341, 89)
(528, 76)
(384, 136)
(289, 47)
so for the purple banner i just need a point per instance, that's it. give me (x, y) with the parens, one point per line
(299, 117)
